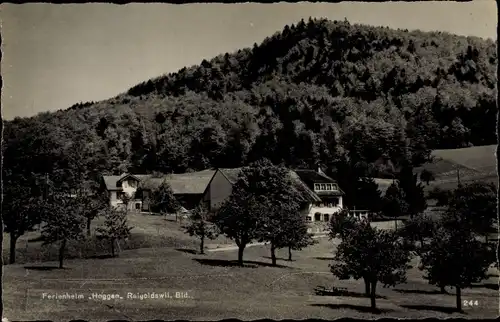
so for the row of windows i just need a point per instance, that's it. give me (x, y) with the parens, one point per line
(317, 217)
(325, 187)
(331, 204)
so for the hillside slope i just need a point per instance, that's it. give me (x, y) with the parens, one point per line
(317, 92)
(470, 164)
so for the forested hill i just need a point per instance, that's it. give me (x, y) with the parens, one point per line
(318, 92)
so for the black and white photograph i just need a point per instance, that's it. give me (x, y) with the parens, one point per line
(212, 161)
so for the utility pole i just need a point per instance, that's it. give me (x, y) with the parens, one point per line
(46, 185)
(458, 175)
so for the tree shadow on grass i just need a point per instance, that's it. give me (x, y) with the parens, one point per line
(359, 308)
(43, 268)
(444, 309)
(234, 263)
(279, 258)
(36, 239)
(103, 256)
(491, 286)
(322, 291)
(435, 292)
(324, 258)
(188, 251)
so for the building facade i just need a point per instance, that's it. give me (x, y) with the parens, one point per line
(212, 187)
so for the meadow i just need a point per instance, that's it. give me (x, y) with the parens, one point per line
(215, 286)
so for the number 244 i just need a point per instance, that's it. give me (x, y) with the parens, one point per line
(471, 303)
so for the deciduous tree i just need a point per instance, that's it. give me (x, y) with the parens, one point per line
(238, 217)
(201, 225)
(115, 228)
(63, 221)
(394, 203)
(413, 191)
(163, 200)
(341, 224)
(474, 206)
(418, 228)
(374, 255)
(278, 194)
(20, 212)
(427, 176)
(455, 258)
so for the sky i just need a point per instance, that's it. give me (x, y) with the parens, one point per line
(54, 56)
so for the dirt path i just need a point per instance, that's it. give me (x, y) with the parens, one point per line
(234, 247)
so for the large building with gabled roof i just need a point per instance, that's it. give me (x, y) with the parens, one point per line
(213, 187)
(322, 192)
(187, 187)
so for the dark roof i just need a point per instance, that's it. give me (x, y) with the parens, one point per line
(190, 183)
(184, 183)
(311, 177)
(110, 182)
(232, 176)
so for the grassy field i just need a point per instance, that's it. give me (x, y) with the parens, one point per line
(474, 163)
(216, 287)
(148, 232)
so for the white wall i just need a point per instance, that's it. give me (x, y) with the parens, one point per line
(129, 187)
(322, 210)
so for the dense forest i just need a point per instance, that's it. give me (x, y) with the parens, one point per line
(352, 98)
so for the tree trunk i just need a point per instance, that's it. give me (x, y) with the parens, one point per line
(241, 248)
(443, 289)
(202, 245)
(273, 254)
(13, 241)
(112, 247)
(289, 253)
(459, 299)
(373, 295)
(367, 286)
(395, 224)
(89, 220)
(61, 252)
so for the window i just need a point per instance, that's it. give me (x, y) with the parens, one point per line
(327, 217)
(328, 187)
(308, 218)
(335, 187)
(137, 206)
(317, 216)
(316, 186)
(118, 195)
(335, 202)
(323, 186)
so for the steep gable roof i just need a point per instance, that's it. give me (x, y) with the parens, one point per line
(111, 182)
(129, 175)
(311, 176)
(233, 174)
(184, 183)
